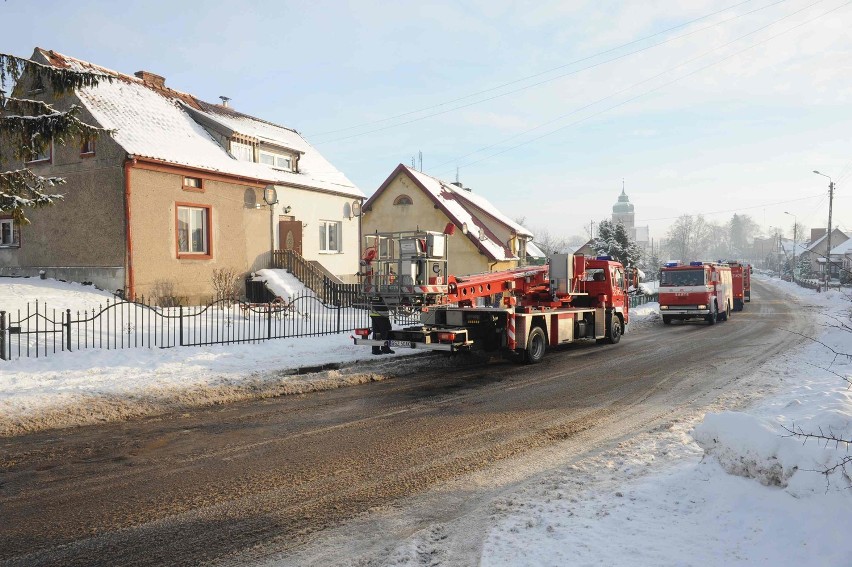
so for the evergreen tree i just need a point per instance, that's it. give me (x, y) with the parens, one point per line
(27, 128)
(613, 240)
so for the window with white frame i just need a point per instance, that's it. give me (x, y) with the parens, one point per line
(44, 155)
(193, 230)
(330, 232)
(241, 151)
(276, 160)
(9, 233)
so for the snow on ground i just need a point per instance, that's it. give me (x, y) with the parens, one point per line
(730, 489)
(282, 283)
(93, 386)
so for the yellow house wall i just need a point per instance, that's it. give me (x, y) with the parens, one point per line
(464, 256)
(241, 237)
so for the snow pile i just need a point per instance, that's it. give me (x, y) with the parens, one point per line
(282, 283)
(747, 446)
(17, 293)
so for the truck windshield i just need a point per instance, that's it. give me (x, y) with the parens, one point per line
(682, 277)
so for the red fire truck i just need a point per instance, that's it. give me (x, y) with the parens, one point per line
(522, 311)
(698, 290)
(741, 276)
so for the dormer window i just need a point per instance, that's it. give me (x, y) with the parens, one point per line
(403, 200)
(242, 151)
(276, 160)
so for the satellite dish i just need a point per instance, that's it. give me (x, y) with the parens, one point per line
(270, 195)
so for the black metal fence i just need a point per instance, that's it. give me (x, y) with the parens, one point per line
(40, 330)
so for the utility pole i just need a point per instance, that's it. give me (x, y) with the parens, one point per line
(828, 234)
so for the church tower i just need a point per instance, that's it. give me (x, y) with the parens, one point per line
(622, 212)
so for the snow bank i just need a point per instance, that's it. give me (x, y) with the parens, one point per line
(282, 283)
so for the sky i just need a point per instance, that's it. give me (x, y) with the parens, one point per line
(544, 108)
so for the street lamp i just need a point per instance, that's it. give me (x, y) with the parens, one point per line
(795, 228)
(828, 237)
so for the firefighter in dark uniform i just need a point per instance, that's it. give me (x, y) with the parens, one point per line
(380, 319)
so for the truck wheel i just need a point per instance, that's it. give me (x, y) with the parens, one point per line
(614, 333)
(536, 345)
(727, 312)
(711, 318)
(667, 319)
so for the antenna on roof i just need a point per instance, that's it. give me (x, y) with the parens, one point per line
(457, 175)
(412, 162)
(224, 100)
(421, 160)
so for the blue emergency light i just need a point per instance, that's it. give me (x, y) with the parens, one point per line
(671, 264)
(607, 258)
(696, 263)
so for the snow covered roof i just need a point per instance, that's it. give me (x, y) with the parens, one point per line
(534, 251)
(153, 121)
(463, 208)
(842, 249)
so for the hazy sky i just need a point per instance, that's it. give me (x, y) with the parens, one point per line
(731, 113)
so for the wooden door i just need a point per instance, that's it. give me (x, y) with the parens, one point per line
(290, 235)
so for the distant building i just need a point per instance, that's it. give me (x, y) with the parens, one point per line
(623, 212)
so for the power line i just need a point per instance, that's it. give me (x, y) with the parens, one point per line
(738, 209)
(574, 72)
(663, 85)
(577, 110)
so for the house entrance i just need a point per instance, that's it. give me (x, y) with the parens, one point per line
(290, 235)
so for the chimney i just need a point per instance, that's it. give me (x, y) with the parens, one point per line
(817, 233)
(151, 78)
(225, 101)
(460, 186)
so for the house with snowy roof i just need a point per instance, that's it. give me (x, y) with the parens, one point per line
(486, 239)
(178, 188)
(816, 251)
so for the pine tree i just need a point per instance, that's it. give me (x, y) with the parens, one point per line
(613, 240)
(27, 128)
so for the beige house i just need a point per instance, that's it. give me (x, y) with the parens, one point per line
(179, 188)
(485, 240)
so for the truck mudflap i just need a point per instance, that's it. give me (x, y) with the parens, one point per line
(446, 347)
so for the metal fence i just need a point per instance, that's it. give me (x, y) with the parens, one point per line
(637, 300)
(40, 331)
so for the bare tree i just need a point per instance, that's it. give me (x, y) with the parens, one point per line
(687, 238)
(549, 242)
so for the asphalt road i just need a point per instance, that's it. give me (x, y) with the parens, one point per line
(216, 484)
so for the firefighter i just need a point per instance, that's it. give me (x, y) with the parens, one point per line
(380, 321)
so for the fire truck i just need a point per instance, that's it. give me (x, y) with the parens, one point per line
(741, 276)
(521, 312)
(698, 290)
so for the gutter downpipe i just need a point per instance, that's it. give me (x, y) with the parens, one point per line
(130, 292)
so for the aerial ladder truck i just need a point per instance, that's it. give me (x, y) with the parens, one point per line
(521, 311)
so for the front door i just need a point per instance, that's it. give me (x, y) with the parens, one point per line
(290, 235)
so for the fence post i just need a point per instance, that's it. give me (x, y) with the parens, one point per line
(67, 328)
(3, 335)
(268, 320)
(339, 309)
(180, 324)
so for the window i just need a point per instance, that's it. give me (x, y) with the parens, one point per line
(330, 236)
(193, 184)
(403, 200)
(87, 149)
(45, 155)
(243, 152)
(682, 277)
(9, 235)
(276, 160)
(193, 231)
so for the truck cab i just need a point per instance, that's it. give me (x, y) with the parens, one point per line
(698, 290)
